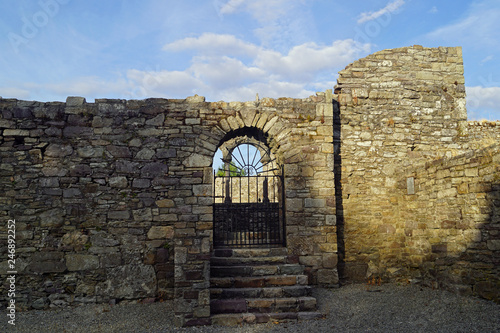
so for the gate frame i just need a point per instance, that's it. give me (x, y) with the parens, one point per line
(246, 207)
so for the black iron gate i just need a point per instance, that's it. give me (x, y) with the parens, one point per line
(249, 211)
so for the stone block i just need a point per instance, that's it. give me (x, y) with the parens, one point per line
(90, 151)
(440, 248)
(165, 203)
(447, 224)
(16, 132)
(156, 121)
(294, 204)
(180, 255)
(312, 261)
(119, 215)
(447, 193)
(328, 277)
(74, 101)
(118, 182)
(197, 160)
(57, 150)
(195, 99)
(355, 271)
(131, 281)
(145, 154)
(81, 262)
(314, 203)
(166, 153)
(161, 232)
(71, 192)
(488, 290)
(202, 190)
(141, 215)
(261, 304)
(386, 229)
(80, 170)
(127, 167)
(119, 151)
(103, 239)
(229, 306)
(152, 170)
(49, 182)
(493, 244)
(330, 260)
(75, 238)
(201, 312)
(77, 131)
(150, 132)
(52, 218)
(141, 183)
(472, 172)
(42, 267)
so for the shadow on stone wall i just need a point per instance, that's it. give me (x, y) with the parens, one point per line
(339, 206)
(475, 270)
(452, 225)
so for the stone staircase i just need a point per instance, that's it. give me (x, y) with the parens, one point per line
(257, 286)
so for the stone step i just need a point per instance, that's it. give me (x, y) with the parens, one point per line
(247, 261)
(263, 305)
(235, 319)
(266, 292)
(258, 281)
(248, 253)
(260, 270)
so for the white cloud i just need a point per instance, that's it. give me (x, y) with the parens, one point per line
(486, 59)
(87, 86)
(213, 44)
(484, 97)
(225, 71)
(168, 84)
(93, 86)
(268, 88)
(9, 92)
(280, 23)
(478, 28)
(307, 60)
(231, 6)
(261, 10)
(390, 8)
(235, 75)
(433, 10)
(483, 102)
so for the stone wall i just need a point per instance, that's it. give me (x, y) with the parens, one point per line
(112, 199)
(480, 134)
(396, 108)
(451, 223)
(399, 109)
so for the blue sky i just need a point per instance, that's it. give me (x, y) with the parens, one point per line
(231, 49)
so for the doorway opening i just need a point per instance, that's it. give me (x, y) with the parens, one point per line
(248, 196)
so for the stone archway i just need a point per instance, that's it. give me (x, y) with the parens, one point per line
(249, 195)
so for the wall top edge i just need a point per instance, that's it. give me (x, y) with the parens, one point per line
(78, 101)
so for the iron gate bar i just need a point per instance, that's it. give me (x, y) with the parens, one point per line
(249, 224)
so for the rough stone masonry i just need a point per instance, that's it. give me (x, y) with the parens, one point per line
(384, 177)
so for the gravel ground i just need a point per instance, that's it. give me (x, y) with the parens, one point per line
(352, 308)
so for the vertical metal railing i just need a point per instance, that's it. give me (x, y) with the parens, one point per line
(249, 211)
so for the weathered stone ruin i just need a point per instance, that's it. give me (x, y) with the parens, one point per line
(382, 178)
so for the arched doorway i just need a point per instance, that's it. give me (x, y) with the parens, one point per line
(248, 196)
